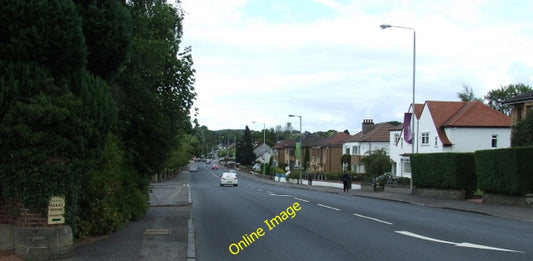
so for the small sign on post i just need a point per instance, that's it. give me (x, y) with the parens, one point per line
(56, 211)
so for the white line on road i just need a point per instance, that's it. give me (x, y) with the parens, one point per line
(464, 244)
(324, 206)
(374, 219)
(307, 201)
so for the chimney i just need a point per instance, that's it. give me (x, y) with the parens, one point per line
(368, 124)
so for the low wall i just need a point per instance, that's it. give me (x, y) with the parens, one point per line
(441, 193)
(6, 236)
(397, 189)
(526, 200)
(43, 243)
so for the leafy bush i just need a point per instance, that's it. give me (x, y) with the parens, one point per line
(444, 171)
(505, 171)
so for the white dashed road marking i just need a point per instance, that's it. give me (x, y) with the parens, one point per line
(374, 219)
(464, 244)
(324, 206)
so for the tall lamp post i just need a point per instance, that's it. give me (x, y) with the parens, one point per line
(264, 142)
(414, 136)
(299, 116)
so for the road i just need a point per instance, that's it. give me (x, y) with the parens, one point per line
(328, 226)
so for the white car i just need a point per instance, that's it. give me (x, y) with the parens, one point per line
(229, 178)
(193, 168)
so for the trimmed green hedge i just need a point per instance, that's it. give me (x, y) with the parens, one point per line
(505, 171)
(444, 171)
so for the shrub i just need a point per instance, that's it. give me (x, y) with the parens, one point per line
(505, 171)
(444, 171)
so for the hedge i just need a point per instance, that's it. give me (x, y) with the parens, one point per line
(444, 171)
(505, 171)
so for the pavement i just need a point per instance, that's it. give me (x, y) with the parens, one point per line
(167, 231)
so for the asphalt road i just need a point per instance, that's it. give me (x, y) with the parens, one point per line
(332, 226)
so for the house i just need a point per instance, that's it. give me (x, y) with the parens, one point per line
(522, 106)
(311, 144)
(448, 126)
(263, 153)
(283, 152)
(371, 137)
(331, 152)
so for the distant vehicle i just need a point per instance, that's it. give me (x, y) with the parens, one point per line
(229, 178)
(207, 161)
(193, 168)
(256, 167)
(214, 166)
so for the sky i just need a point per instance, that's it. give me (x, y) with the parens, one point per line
(329, 61)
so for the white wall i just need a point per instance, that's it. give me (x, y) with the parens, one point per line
(472, 139)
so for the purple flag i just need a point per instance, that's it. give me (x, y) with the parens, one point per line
(407, 133)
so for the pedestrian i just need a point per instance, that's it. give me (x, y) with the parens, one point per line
(345, 180)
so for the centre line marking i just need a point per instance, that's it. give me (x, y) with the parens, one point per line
(374, 219)
(307, 201)
(324, 206)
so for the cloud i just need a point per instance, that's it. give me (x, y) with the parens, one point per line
(329, 61)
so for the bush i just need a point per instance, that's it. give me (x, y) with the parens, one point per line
(505, 171)
(444, 171)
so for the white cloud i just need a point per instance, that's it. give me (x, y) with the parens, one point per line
(339, 68)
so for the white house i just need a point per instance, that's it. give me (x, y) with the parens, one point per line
(263, 153)
(449, 126)
(372, 137)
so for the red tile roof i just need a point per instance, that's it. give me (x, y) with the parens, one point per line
(464, 114)
(378, 133)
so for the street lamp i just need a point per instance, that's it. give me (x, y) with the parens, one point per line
(299, 116)
(414, 137)
(264, 142)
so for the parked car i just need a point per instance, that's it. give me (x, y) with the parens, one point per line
(229, 178)
(256, 167)
(214, 166)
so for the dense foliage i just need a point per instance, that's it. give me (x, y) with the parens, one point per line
(505, 171)
(95, 98)
(522, 134)
(377, 163)
(444, 171)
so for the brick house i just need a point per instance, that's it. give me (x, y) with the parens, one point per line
(331, 152)
(522, 106)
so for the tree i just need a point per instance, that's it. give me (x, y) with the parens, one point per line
(467, 94)
(523, 132)
(496, 97)
(346, 159)
(306, 159)
(377, 163)
(154, 90)
(245, 152)
(107, 27)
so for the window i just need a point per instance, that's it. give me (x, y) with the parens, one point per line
(347, 151)
(436, 141)
(355, 150)
(494, 141)
(425, 138)
(396, 138)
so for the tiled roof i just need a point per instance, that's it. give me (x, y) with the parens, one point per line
(283, 144)
(336, 140)
(312, 141)
(464, 114)
(379, 132)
